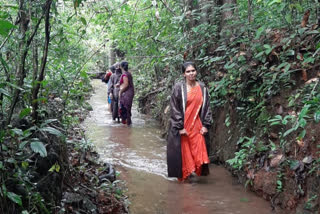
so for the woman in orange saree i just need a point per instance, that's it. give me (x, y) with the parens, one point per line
(193, 147)
(189, 121)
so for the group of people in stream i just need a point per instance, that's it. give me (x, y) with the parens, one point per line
(190, 118)
(120, 92)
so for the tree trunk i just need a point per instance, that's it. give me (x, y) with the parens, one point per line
(112, 54)
(227, 13)
(35, 103)
(249, 11)
(20, 74)
(24, 46)
(318, 13)
(204, 8)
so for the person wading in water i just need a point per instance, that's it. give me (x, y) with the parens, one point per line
(190, 119)
(126, 94)
(113, 91)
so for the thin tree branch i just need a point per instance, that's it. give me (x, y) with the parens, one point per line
(21, 68)
(168, 8)
(43, 63)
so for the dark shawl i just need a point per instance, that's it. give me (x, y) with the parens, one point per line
(178, 102)
(114, 79)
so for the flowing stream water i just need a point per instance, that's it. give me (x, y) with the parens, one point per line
(139, 153)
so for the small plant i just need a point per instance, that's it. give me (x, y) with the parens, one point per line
(297, 122)
(247, 148)
(308, 204)
(315, 164)
(279, 181)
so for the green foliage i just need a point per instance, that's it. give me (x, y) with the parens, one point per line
(280, 181)
(248, 147)
(316, 163)
(308, 204)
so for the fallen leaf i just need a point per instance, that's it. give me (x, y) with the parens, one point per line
(304, 75)
(300, 143)
(276, 160)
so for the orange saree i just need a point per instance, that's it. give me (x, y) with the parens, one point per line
(193, 148)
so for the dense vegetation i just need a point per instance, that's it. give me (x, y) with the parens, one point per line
(46, 52)
(260, 59)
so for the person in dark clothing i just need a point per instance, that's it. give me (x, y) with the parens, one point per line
(113, 91)
(126, 94)
(106, 79)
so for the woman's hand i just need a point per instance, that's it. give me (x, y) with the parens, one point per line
(203, 130)
(183, 132)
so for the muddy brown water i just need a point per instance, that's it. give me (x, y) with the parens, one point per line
(139, 153)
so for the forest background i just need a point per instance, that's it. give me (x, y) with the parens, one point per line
(260, 60)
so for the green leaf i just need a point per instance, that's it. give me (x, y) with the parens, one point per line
(24, 112)
(274, 2)
(52, 131)
(302, 134)
(259, 32)
(14, 86)
(24, 212)
(316, 116)
(24, 164)
(286, 69)
(288, 18)
(5, 93)
(5, 27)
(302, 122)
(15, 198)
(259, 54)
(23, 144)
(18, 132)
(46, 122)
(83, 74)
(83, 20)
(40, 100)
(55, 167)
(38, 147)
(4, 63)
(266, 46)
(313, 32)
(1, 165)
(4, 192)
(289, 131)
(294, 164)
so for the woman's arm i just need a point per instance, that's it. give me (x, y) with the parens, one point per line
(124, 85)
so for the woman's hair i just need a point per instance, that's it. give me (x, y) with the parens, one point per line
(112, 69)
(124, 65)
(187, 64)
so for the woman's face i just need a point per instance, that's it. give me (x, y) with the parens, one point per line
(190, 73)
